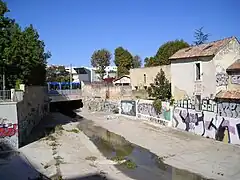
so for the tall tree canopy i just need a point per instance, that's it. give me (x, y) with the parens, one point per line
(100, 60)
(137, 62)
(57, 74)
(200, 36)
(123, 60)
(164, 52)
(22, 55)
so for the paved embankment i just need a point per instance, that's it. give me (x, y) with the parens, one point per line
(180, 149)
(69, 153)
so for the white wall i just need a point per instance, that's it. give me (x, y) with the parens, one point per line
(183, 78)
(214, 77)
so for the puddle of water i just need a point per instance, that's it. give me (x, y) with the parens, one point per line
(142, 163)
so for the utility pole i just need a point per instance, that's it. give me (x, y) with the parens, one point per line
(3, 79)
(3, 83)
(70, 76)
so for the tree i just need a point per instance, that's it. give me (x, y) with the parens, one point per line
(22, 53)
(161, 88)
(164, 52)
(57, 74)
(100, 60)
(137, 62)
(149, 62)
(200, 37)
(168, 49)
(123, 60)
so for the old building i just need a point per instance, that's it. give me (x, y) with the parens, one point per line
(206, 89)
(200, 71)
(122, 81)
(141, 78)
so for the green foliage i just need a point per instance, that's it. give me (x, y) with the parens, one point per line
(17, 85)
(100, 60)
(123, 60)
(22, 55)
(151, 61)
(137, 62)
(200, 37)
(164, 52)
(157, 104)
(57, 74)
(172, 101)
(161, 88)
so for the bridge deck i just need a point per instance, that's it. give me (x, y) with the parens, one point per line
(65, 95)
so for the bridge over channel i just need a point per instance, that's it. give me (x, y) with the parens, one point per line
(65, 95)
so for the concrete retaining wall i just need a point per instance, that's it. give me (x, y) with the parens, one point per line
(18, 118)
(143, 109)
(217, 120)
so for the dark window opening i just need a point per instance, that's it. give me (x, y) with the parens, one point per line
(144, 78)
(198, 71)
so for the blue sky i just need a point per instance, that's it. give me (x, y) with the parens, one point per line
(73, 29)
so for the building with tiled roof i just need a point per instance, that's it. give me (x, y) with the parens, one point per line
(201, 71)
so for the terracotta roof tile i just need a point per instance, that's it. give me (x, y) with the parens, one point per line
(228, 95)
(234, 66)
(207, 49)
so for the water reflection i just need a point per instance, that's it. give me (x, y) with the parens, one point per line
(142, 164)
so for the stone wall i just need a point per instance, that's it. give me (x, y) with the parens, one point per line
(101, 91)
(18, 118)
(31, 110)
(99, 104)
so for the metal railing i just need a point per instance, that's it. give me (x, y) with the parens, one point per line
(65, 92)
(5, 95)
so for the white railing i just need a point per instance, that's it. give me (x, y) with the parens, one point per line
(65, 92)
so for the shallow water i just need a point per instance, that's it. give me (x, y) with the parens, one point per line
(143, 164)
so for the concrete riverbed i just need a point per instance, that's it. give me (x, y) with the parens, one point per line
(104, 146)
(177, 148)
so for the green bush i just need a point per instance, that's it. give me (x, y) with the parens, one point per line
(157, 104)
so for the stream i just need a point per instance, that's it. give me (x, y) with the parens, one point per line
(133, 160)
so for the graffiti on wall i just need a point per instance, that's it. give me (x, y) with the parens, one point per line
(8, 130)
(235, 79)
(228, 109)
(221, 79)
(207, 124)
(128, 107)
(207, 104)
(148, 110)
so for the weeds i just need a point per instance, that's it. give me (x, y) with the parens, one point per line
(91, 158)
(73, 130)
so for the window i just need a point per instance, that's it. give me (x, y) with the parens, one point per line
(136, 87)
(198, 105)
(197, 71)
(144, 78)
(145, 87)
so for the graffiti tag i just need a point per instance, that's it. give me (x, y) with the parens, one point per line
(7, 130)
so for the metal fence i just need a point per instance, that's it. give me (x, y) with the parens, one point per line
(5, 95)
(65, 92)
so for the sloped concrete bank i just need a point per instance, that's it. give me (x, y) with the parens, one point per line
(179, 149)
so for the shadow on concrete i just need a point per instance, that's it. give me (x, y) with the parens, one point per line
(14, 165)
(48, 124)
